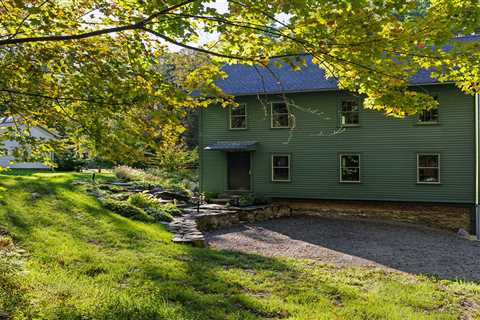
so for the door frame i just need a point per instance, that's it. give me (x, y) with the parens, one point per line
(226, 187)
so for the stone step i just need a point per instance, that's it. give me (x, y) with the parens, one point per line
(196, 241)
(220, 200)
(186, 228)
(201, 212)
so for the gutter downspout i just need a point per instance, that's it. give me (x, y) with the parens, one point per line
(477, 138)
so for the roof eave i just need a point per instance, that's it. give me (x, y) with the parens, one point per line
(324, 90)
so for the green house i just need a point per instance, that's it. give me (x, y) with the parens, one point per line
(295, 135)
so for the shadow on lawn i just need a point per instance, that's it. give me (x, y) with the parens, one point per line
(407, 248)
(204, 292)
(207, 286)
(62, 197)
(214, 287)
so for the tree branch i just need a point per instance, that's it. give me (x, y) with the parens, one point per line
(133, 26)
(43, 96)
(217, 54)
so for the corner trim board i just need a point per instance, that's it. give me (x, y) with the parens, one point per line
(477, 139)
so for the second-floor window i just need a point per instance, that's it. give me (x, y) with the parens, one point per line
(429, 116)
(349, 113)
(280, 115)
(238, 117)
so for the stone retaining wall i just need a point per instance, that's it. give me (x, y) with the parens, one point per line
(442, 216)
(447, 217)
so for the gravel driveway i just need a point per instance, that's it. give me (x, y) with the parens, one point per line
(401, 247)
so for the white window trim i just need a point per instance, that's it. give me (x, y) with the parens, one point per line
(439, 168)
(359, 167)
(341, 112)
(289, 167)
(230, 118)
(288, 113)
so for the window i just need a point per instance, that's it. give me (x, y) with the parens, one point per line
(349, 113)
(428, 116)
(281, 167)
(349, 168)
(428, 168)
(280, 115)
(238, 117)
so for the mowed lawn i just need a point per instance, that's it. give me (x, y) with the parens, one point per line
(84, 262)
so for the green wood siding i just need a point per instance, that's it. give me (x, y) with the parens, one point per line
(388, 148)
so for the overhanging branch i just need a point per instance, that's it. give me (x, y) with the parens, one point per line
(133, 26)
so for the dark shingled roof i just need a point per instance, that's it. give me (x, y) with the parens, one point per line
(250, 80)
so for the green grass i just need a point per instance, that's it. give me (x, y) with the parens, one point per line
(84, 262)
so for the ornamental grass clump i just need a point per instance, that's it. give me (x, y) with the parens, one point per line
(128, 173)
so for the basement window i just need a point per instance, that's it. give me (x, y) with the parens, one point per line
(280, 115)
(349, 168)
(281, 167)
(349, 113)
(428, 168)
(238, 117)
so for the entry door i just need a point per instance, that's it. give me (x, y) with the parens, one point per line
(238, 170)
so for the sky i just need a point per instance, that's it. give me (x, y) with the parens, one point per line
(222, 7)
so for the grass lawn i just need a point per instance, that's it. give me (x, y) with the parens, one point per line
(83, 262)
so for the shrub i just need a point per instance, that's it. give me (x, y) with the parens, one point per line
(143, 201)
(129, 173)
(110, 188)
(127, 210)
(155, 209)
(171, 209)
(68, 161)
(165, 212)
(246, 200)
(159, 215)
(178, 157)
(182, 179)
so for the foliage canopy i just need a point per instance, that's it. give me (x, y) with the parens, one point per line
(99, 71)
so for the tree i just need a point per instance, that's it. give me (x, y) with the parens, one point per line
(109, 94)
(92, 69)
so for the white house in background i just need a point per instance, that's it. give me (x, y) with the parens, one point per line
(9, 160)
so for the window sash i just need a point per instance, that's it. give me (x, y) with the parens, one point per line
(275, 167)
(428, 116)
(350, 106)
(274, 115)
(349, 113)
(350, 168)
(234, 116)
(423, 169)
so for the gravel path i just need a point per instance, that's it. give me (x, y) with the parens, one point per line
(357, 242)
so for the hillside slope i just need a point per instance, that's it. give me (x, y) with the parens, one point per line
(62, 256)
